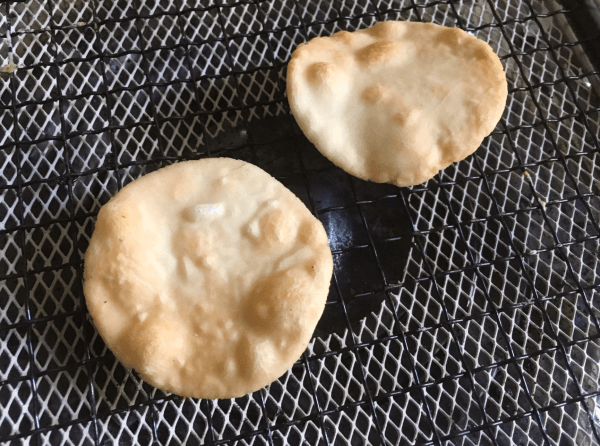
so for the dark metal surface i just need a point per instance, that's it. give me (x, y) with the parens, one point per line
(462, 311)
(584, 18)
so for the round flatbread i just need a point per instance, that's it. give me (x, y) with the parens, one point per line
(207, 277)
(398, 102)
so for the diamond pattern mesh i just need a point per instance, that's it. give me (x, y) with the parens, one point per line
(463, 311)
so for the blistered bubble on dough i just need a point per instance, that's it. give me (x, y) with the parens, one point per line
(378, 53)
(320, 73)
(207, 277)
(398, 102)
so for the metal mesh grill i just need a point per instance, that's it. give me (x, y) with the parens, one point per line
(462, 311)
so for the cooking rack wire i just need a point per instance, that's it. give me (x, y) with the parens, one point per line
(462, 311)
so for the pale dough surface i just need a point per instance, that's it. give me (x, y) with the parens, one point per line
(207, 277)
(398, 102)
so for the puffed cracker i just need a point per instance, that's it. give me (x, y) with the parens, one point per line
(207, 277)
(398, 102)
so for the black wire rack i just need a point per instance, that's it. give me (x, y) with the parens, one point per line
(462, 311)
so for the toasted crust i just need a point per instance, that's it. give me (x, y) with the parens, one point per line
(207, 277)
(398, 102)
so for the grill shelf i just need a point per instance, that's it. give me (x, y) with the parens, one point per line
(463, 311)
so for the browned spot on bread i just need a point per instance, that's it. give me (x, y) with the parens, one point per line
(481, 53)
(307, 234)
(382, 30)
(319, 72)
(276, 228)
(373, 94)
(400, 118)
(344, 36)
(451, 36)
(378, 53)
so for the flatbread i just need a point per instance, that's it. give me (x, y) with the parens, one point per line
(207, 277)
(398, 102)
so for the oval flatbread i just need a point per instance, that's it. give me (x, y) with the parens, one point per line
(398, 102)
(207, 277)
